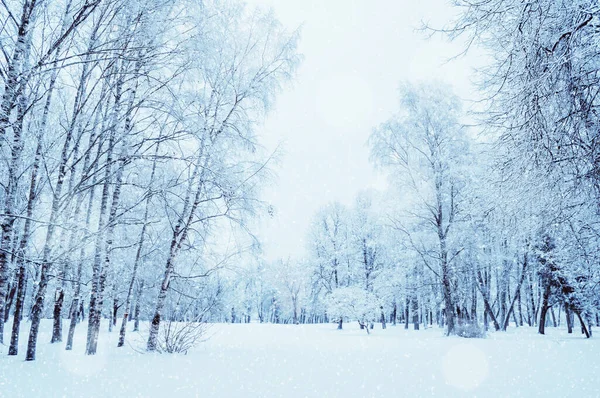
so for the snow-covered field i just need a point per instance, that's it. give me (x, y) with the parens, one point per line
(259, 360)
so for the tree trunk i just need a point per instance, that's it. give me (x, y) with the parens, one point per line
(57, 321)
(14, 339)
(136, 324)
(512, 303)
(486, 302)
(12, 290)
(406, 306)
(538, 305)
(474, 299)
(485, 320)
(584, 329)
(568, 318)
(520, 307)
(95, 307)
(528, 305)
(544, 309)
(160, 303)
(179, 236)
(77, 300)
(136, 263)
(115, 311)
(102, 245)
(553, 317)
(415, 312)
(10, 205)
(449, 305)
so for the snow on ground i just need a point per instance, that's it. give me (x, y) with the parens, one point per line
(264, 360)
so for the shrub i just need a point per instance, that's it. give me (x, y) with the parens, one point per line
(353, 303)
(179, 337)
(470, 331)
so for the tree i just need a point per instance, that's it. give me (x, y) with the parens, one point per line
(424, 145)
(353, 303)
(238, 78)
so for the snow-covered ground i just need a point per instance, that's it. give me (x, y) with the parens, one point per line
(312, 361)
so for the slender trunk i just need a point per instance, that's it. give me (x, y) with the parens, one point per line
(108, 245)
(66, 260)
(520, 307)
(568, 318)
(446, 288)
(512, 304)
(485, 320)
(406, 306)
(14, 338)
(77, 300)
(473, 299)
(160, 302)
(179, 235)
(504, 315)
(12, 83)
(295, 305)
(138, 255)
(483, 289)
(12, 290)
(363, 325)
(136, 263)
(115, 311)
(136, 323)
(537, 306)
(584, 329)
(10, 215)
(112, 218)
(544, 309)
(106, 224)
(38, 306)
(415, 310)
(528, 305)
(95, 306)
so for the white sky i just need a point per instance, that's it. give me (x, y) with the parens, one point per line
(356, 53)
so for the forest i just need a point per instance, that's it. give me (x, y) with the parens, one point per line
(132, 172)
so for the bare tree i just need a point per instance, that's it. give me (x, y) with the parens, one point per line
(424, 143)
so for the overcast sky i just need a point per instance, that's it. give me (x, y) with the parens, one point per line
(355, 55)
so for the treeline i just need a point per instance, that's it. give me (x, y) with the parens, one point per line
(127, 148)
(455, 241)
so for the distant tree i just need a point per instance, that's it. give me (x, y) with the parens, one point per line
(353, 303)
(423, 147)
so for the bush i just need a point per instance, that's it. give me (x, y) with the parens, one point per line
(470, 331)
(179, 337)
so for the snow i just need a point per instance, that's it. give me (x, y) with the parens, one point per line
(266, 360)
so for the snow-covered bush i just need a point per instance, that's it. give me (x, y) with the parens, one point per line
(353, 303)
(470, 330)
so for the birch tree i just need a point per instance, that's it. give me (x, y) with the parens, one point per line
(423, 144)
